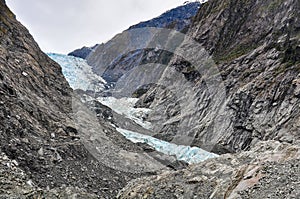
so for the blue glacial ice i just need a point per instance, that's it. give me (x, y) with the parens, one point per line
(125, 106)
(78, 73)
(188, 154)
(80, 76)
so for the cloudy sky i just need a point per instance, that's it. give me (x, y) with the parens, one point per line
(64, 25)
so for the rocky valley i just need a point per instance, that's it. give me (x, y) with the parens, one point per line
(200, 102)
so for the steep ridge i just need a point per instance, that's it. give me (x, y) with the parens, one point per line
(254, 46)
(243, 87)
(43, 151)
(178, 18)
(83, 52)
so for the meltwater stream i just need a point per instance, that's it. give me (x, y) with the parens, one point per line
(80, 76)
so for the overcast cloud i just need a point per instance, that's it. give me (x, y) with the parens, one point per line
(64, 25)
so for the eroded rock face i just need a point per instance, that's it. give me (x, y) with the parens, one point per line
(256, 48)
(83, 52)
(260, 104)
(246, 87)
(37, 131)
(268, 170)
(242, 87)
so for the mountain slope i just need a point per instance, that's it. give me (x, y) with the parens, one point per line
(248, 52)
(44, 151)
(242, 87)
(83, 52)
(255, 48)
(248, 93)
(262, 172)
(178, 19)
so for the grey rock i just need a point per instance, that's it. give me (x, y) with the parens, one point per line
(243, 86)
(38, 136)
(269, 169)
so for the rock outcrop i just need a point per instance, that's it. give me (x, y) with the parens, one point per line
(83, 52)
(255, 46)
(242, 87)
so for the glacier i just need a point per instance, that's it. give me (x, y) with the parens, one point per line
(188, 154)
(80, 76)
(78, 73)
(125, 106)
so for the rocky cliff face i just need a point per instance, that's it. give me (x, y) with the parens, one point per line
(83, 52)
(255, 46)
(243, 85)
(249, 96)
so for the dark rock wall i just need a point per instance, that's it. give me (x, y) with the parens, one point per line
(254, 46)
(36, 130)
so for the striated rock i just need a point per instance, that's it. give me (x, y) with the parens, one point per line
(256, 49)
(232, 81)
